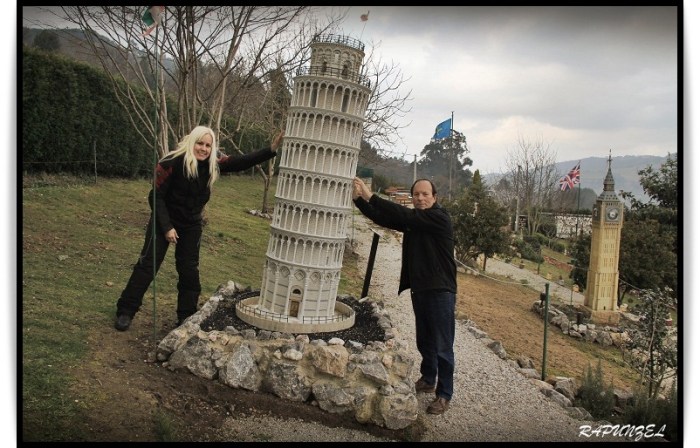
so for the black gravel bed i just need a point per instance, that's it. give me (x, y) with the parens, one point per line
(365, 330)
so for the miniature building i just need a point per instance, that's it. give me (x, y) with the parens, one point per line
(313, 207)
(603, 272)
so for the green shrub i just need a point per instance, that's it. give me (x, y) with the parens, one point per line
(669, 413)
(643, 409)
(72, 122)
(660, 412)
(529, 249)
(557, 246)
(594, 395)
(164, 426)
(548, 227)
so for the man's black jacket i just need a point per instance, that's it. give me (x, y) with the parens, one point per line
(427, 253)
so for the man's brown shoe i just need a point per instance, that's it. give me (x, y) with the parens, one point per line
(438, 406)
(422, 386)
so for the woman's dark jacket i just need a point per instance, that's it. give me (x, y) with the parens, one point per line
(180, 200)
(427, 252)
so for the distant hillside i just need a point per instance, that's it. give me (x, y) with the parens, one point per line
(625, 171)
(73, 44)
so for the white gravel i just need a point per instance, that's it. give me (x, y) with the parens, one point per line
(492, 402)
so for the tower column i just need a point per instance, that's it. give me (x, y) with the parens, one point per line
(603, 274)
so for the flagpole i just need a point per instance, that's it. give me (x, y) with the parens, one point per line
(517, 201)
(452, 152)
(155, 165)
(578, 206)
(578, 203)
(364, 21)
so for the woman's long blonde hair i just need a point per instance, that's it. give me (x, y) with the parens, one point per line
(186, 148)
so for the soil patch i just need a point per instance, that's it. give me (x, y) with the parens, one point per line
(128, 397)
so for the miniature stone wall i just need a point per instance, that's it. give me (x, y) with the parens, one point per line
(370, 381)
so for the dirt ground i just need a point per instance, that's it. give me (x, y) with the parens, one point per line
(503, 312)
(125, 393)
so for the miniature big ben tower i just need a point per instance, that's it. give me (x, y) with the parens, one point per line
(603, 273)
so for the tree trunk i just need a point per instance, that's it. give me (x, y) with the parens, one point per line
(267, 180)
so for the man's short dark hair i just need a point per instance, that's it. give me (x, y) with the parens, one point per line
(432, 185)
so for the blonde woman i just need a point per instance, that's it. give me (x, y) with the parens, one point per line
(182, 187)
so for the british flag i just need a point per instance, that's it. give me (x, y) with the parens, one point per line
(572, 178)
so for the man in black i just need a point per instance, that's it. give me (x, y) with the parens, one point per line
(428, 268)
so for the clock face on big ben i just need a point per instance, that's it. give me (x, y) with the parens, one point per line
(612, 214)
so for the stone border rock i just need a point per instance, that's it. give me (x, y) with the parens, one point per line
(372, 382)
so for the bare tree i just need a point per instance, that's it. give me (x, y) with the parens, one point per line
(196, 52)
(388, 103)
(216, 62)
(209, 56)
(277, 103)
(530, 169)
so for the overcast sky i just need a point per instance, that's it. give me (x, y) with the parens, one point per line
(586, 80)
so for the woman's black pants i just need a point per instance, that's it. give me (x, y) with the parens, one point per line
(186, 264)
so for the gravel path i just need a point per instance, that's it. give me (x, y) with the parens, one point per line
(492, 402)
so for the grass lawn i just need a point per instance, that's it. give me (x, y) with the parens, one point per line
(79, 242)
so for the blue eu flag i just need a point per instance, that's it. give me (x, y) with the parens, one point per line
(443, 129)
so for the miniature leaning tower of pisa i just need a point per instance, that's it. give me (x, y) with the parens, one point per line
(313, 201)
